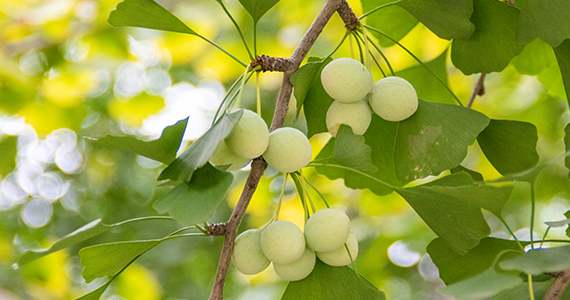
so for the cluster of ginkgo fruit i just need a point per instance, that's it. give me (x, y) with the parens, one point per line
(293, 253)
(356, 95)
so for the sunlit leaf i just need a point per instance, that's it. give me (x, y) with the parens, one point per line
(520, 292)
(95, 294)
(326, 283)
(544, 19)
(195, 202)
(567, 145)
(448, 19)
(201, 150)
(302, 79)
(476, 176)
(9, 146)
(563, 56)
(454, 267)
(257, 8)
(540, 261)
(435, 138)
(316, 101)
(394, 21)
(108, 259)
(535, 57)
(84, 233)
(163, 149)
(493, 43)
(510, 146)
(351, 150)
(481, 286)
(147, 14)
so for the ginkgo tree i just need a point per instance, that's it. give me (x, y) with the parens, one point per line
(417, 157)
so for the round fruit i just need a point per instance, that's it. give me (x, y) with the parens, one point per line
(393, 99)
(289, 150)
(339, 257)
(298, 269)
(249, 137)
(223, 156)
(327, 230)
(346, 80)
(356, 115)
(282, 242)
(248, 257)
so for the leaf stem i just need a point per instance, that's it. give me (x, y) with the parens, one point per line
(255, 38)
(530, 290)
(317, 191)
(276, 216)
(142, 219)
(512, 233)
(377, 9)
(382, 54)
(544, 236)
(376, 61)
(532, 212)
(338, 46)
(251, 57)
(224, 50)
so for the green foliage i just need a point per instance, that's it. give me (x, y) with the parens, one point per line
(476, 176)
(9, 146)
(430, 141)
(563, 56)
(493, 43)
(147, 14)
(533, 24)
(535, 57)
(326, 282)
(520, 292)
(393, 20)
(567, 146)
(306, 78)
(201, 150)
(510, 145)
(95, 294)
(481, 286)
(536, 262)
(257, 8)
(351, 150)
(449, 19)
(195, 202)
(163, 149)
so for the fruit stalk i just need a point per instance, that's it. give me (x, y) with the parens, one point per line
(258, 165)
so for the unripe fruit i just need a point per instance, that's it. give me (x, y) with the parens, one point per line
(356, 115)
(346, 80)
(223, 156)
(298, 269)
(289, 150)
(339, 257)
(327, 230)
(393, 99)
(248, 257)
(249, 137)
(282, 242)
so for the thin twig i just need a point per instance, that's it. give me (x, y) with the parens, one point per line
(479, 89)
(258, 165)
(559, 285)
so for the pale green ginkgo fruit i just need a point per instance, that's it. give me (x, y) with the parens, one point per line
(249, 137)
(223, 156)
(282, 242)
(327, 230)
(298, 269)
(339, 257)
(357, 115)
(346, 80)
(393, 99)
(288, 151)
(248, 257)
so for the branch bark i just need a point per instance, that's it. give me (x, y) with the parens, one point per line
(258, 165)
(559, 286)
(479, 89)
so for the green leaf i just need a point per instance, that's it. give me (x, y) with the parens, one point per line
(567, 145)
(201, 150)
(108, 259)
(257, 8)
(326, 283)
(351, 150)
(484, 285)
(510, 146)
(316, 103)
(195, 202)
(493, 43)
(435, 138)
(9, 146)
(540, 288)
(84, 233)
(95, 294)
(425, 84)
(394, 21)
(476, 176)
(540, 261)
(163, 149)
(302, 79)
(448, 19)
(535, 57)
(563, 56)
(147, 14)
(454, 267)
(380, 137)
(544, 19)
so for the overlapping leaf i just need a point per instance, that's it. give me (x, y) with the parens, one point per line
(448, 19)
(147, 14)
(510, 146)
(326, 282)
(163, 149)
(394, 21)
(520, 292)
(493, 43)
(351, 150)
(544, 19)
(567, 146)
(535, 57)
(482, 286)
(257, 8)
(540, 261)
(315, 99)
(303, 79)
(563, 56)
(195, 202)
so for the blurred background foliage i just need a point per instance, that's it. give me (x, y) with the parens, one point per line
(65, 74)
